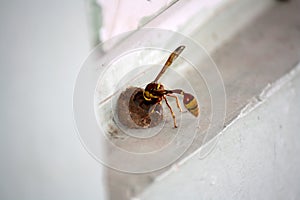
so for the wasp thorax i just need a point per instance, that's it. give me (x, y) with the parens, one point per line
(153, 91)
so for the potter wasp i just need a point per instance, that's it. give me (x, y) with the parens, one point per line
(145, 105)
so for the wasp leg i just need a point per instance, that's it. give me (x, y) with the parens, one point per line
(153, 108)
(177, 101)
(173, 115)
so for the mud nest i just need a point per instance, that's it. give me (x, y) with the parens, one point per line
(134, 112)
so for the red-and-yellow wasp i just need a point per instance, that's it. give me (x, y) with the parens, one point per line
(145, 103)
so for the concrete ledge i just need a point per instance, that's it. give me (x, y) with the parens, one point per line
(263, 51)
(256, 156)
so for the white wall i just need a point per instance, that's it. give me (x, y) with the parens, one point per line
(257, 157)
(43, 44)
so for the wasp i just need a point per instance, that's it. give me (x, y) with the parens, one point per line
(145, 105)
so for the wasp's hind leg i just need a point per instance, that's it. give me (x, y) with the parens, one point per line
(177, 101)
(172, 113)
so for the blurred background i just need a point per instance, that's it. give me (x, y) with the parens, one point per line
(43, 44)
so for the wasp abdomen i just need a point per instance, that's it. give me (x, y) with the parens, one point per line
(191, 104)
